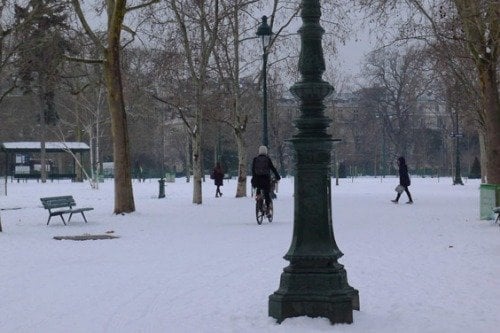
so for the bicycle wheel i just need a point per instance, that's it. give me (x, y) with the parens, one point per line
(270, 215)
(259, 211)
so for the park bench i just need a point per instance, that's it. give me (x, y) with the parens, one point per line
(496, 211)
(62, 205)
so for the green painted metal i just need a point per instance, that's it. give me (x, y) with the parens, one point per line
(161, 192)
(314, 284)
(264, 31)
(489, 198)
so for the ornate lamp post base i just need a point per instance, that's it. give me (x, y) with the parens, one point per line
(314, 284)
(314, 292)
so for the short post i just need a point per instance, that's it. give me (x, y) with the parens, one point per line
(161, 193)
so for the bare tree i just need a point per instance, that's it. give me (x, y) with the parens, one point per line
(480, 21)
(476, 23)
(402, 79)
(229, 65)
(198, 25)
(459, 88)
(8, 47)
(238, 29)
(87, 117)
(237, 52)
(111, 51)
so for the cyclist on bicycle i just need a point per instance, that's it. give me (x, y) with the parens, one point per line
(261, 175)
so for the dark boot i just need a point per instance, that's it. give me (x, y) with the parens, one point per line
(410, 200)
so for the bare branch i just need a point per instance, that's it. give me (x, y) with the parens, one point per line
(146, 4)
(86, 26)
(83, 60)
(178, 108)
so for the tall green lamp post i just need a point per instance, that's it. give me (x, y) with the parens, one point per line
(314, 284)
(264, 32)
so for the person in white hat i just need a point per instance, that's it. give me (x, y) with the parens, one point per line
(262, 166)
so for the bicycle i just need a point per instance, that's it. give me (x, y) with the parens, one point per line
(261, 208)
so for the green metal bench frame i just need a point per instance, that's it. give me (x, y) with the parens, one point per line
(496, 211)
(54, 205)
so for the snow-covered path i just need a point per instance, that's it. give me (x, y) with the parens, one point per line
(178, 267)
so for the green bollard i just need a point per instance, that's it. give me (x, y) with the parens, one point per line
(162, 188)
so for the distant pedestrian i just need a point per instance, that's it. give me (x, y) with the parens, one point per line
(404, 180)
(139, 172)
(142, 175)
(218, 176)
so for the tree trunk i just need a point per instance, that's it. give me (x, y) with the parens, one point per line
(43, 138)
(187, 165)
(79, 172)
(43, 154)
(491, 104)
(197, 158)
(281, 157)
(124, 198)
(482, 155)
(97, 153)
(480, 22)
(241, 188)
(93, 163)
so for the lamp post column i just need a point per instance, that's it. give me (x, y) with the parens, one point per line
(314, 284)
(265, 138)
(264, 31)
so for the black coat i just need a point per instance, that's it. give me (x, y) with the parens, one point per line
(264, 181)
(404, 178)
(218, 176)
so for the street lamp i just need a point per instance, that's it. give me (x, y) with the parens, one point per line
(315, 283)
(264, 32)
(457, 136)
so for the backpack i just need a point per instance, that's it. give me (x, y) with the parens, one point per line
(261, 165)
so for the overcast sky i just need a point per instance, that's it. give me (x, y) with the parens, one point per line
(350, 55)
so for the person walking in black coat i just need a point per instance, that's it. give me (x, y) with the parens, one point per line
(218, 176)
(404, 180)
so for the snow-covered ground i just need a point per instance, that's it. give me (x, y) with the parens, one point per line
(178, 267)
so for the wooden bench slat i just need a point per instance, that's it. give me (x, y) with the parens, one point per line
(78, 210)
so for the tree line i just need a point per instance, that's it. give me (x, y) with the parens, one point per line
(194, 67)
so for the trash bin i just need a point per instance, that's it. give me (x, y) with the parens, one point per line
(170, 177)
(489, 195)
